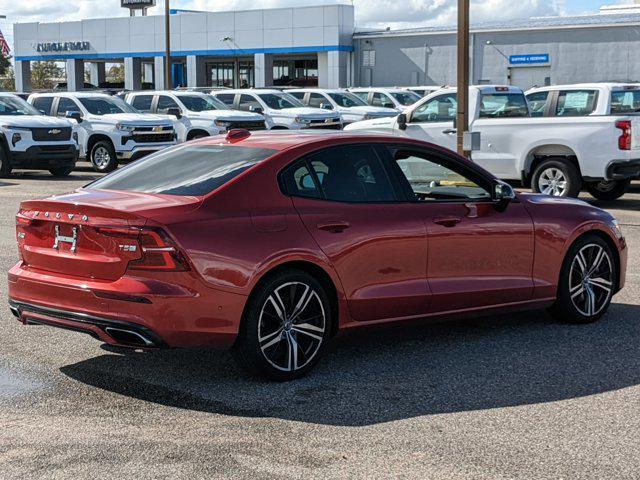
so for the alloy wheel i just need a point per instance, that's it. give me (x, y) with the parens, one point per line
(553, 182)
(591, 280)
(291, 326)
(101, 157)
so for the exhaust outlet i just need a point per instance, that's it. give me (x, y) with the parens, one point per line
(15, 311)
(128, 337)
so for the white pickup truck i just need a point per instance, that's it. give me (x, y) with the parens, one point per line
(555, 155)
(30, 140)
(109, 129)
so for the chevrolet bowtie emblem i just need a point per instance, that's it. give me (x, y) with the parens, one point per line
(54, 131)
(157, 129)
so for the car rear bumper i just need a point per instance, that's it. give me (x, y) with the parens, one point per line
(136, 312)
(45, 157)
(623, 170)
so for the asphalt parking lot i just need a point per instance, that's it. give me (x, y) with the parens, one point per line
(509, 397)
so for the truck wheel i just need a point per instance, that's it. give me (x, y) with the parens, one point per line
(556, 177)
(608, 189)
(61, 171)
(5, 166)
(103, 157)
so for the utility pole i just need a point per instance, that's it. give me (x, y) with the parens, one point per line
(462, 121)
(168, 83)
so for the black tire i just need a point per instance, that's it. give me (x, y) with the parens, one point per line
(568, 172)
(5, 166)
(262, 323)
(61, 171)
(608, 190)
(103, 157)
(573, 306)
(197, 136)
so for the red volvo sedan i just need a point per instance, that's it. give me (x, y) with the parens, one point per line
(270, 243)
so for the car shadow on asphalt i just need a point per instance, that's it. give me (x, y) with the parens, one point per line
(371, 377)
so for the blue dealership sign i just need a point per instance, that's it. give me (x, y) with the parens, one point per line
(529, 59)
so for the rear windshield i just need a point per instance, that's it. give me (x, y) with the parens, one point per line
(625, 102)
(187, 170)
(504, 105)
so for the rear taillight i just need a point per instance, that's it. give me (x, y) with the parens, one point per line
(624, 141)
(23, 220)
(158, 251)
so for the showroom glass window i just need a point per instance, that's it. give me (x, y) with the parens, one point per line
(442, 108)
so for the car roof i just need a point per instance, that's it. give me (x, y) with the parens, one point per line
(281, 140)
(250, 90)
(379, 89)
(73, 94)
(577, 86)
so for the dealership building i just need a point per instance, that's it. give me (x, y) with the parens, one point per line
(321, 46)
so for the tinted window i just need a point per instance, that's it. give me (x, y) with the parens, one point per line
(316, 99)
(363, 95)
(66, 105)
(43, 104)
(537, 103)
(188, 170)
(382, 100)
(439, 109)
(300, 183)
(500, 105)
(298, 95)
(351, 174)
(106, 105)
(201, 103)
(625, 102)
(226, 98)
(142, 102)
(347, 100)
(165, 103)
(431, 180)
(406, 98)
(576, 103)
(248, 103)
(279, 101)
(15, 106)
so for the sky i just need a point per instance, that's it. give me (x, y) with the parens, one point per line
(369, 13)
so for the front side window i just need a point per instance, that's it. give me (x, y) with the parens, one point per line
(165, 103)
(382, 100)
(318, 100)
(142, 102)
(201, 103)
(347, 100)
(430, 179)
(280, 101)
(226, 98)
(504, 105)
(343, 174)
(15, 106)
(625, 102)
(298, 95)
(66, 105)
(363, 95)
(439, 109)
(43, 104)
(406, 98)
(248, 103)
(576, 103)
(186, 170)
(538, 103)
(106, 105)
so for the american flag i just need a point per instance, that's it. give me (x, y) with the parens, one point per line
(4, 46)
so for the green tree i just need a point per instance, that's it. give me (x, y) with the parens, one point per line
(116, 73)
(5, 65)
(44, 74)
(8, 80)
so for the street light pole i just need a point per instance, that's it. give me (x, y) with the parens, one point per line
(462, 121)
(167, 53)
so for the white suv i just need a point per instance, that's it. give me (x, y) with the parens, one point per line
(281, 110)
(31, 140)
(399, 98)
(349, 106)
(109, 129)
(206, 114)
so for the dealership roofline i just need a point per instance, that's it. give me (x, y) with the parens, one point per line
(527, 24)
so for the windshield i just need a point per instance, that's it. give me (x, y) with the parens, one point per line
(625, 102)
(347, 100)
(280, 101)
(15, 106)
(201, 103)
(106, 105)
(406, 98)
(187, 170)
(504, 105)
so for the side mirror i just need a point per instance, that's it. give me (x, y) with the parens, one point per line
(77, 116)
(253, 109)
(175, 112)
(402, 121)
(503, 194)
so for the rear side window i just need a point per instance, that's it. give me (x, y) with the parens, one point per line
(187, 170)
(625, 102)
(576, 103)
(537, 103)
(342, 174)
(43, 104)
(504, 105)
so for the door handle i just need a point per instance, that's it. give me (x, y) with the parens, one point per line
(448, 222)
(450, 131)
(333, 227)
